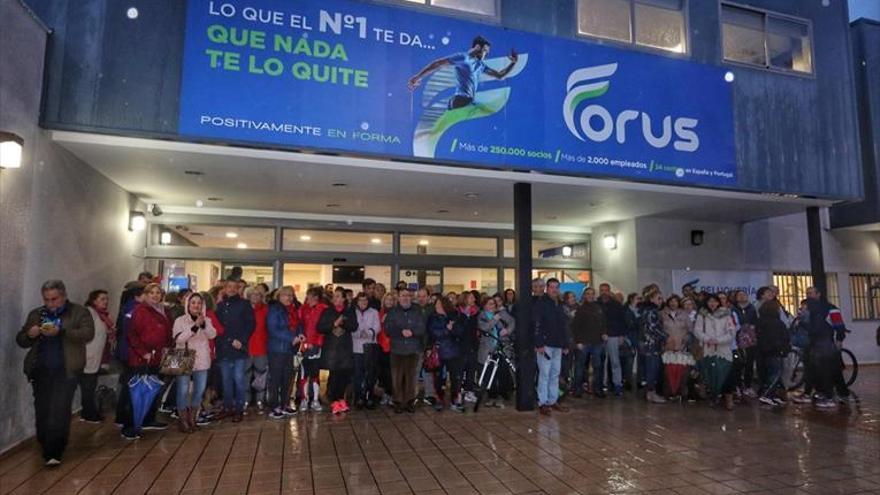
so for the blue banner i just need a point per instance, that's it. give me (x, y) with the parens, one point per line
(392, 81)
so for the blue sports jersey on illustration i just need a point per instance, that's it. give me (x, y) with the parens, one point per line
(468, 70)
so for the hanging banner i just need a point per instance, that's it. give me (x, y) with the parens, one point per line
(395, 82)
(715, 281)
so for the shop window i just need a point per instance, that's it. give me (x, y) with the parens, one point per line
(336, 241)
(215, 236)
(766, 40)
(302, 276)
(553, 249)
(487, 8)
(448, 245)
(793, 289)
(252, 274)
(865, 291)
(653, 23)
(196, 275)
(458, 280)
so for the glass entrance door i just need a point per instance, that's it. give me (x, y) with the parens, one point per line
(422, 277)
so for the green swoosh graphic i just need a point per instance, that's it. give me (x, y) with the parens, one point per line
(587, 95)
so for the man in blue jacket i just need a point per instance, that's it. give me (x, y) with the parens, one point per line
(551, 342)
(237, 318)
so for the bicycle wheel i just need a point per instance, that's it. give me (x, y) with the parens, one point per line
(793, 370)
(850, 366)
(484, 385)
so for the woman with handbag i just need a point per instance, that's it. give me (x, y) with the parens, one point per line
(193, 332)
(284, 338)
(148, 335)
(715, 331)
(446, 331)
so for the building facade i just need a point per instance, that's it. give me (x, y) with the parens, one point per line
(107, 97)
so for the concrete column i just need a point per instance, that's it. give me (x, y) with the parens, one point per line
(526, 367)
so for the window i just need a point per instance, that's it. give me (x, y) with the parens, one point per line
(767, 40)
(793, 289)
(653, 23)
(487, 8)
(215, 236)
(336, 241)
(553, 249)
(448, 245)
(865, 290)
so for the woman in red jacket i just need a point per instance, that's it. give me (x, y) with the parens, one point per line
(149, 333)
(310, 315)
(258, 363)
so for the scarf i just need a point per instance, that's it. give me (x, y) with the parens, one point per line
(104, 315)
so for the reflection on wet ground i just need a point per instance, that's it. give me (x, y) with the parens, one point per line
(600, 446)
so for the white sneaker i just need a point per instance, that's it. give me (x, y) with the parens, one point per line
(749, 392)
(802, 399)
(304, 406)
(766, 400)
(470, 397)
(53, 462)
(826, 404)
(316, 406)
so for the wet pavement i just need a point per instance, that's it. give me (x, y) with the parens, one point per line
(600, 446)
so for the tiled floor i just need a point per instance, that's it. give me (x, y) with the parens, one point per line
(607, 446)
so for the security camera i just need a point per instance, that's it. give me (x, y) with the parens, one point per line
(155, 209)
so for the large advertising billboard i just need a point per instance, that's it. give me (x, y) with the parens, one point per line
(376, 79)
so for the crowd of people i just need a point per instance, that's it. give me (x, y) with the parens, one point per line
(263, 351)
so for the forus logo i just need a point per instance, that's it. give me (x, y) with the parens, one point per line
(597, 124)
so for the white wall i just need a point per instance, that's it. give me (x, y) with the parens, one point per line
(617, 267)
(775, 244)
(59, 218)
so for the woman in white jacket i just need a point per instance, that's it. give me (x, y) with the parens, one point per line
(715, 330)
(366, 352)
(97, 303)
(193, 330)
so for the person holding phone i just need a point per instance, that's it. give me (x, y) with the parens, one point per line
(55, 335)
(193, 330)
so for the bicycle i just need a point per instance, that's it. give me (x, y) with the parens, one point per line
(793, 376)
(495, 357)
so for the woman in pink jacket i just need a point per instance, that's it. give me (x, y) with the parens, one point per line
(193, 330)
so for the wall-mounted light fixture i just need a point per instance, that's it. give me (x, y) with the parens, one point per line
(10, 150)
(566, 251)
(610, 241)
(137, 221)
(165, 238)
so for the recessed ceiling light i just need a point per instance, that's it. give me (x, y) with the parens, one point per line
(471, 195)
(215, 198)
(305, 238)
(376, 240)
(442, 210)
(340, 184)
(423, 242)
(232, 235)
(476, 213)
(193, 172)
(199, 203)
(551, 217)
(333, 205)
(241, 245)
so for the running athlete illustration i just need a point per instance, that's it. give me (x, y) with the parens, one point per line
(461, 72)
(468, 68)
